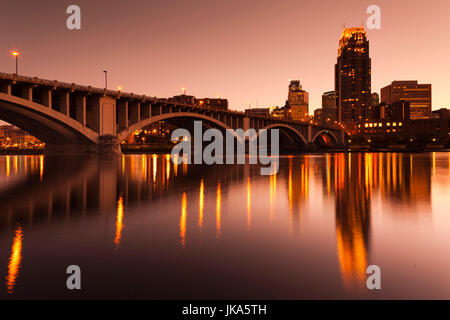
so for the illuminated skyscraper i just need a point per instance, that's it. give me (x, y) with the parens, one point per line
(298, 101)
(353, 76)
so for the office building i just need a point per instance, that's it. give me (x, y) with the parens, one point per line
(298, 101)
(418, 95)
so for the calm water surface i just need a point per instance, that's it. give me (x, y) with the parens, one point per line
(140, 227)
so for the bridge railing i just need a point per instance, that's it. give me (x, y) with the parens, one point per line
(120, 94)
(71, 86)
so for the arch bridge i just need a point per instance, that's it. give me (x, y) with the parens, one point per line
(71, 118)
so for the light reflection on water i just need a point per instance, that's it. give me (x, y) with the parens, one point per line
(139, 227)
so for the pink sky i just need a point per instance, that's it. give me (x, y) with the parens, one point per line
(245, 51)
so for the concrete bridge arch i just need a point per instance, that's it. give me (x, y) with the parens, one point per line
(326, 132)
(288, 128)
(122, 135)
(49, 126)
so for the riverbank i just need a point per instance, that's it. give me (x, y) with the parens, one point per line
(21, 152)
(399, 149)
(162, 149)
(146, 148)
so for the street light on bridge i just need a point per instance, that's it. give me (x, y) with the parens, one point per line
(16, 54)
(106, 79)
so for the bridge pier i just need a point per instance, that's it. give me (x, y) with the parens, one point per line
(46, 97)
(27, 93)
(81, 109)
(122, 114)
(64, 103)
(107, 145)
(5, 87)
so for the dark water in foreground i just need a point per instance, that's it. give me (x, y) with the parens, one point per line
(140, 227)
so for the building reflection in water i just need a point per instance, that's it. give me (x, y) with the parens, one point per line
(154, 166)
(201, 203)
(249, 203)
(273, 193)
(14, 260)
(352, 216)
(290, 191)
(297, 189)
(45, 190)
(218, 209)
(183, 219)
(399, 179)
(119, 222)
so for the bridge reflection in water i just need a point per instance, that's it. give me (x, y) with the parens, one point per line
(37, 190)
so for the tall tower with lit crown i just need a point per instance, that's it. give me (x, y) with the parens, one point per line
(353, 76)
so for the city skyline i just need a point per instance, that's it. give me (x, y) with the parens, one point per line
(263, 76)
(207, 153)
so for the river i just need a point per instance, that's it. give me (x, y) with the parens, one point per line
(140, 227)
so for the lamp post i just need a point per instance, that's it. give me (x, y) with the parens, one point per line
(16, 54)
(106, 78)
